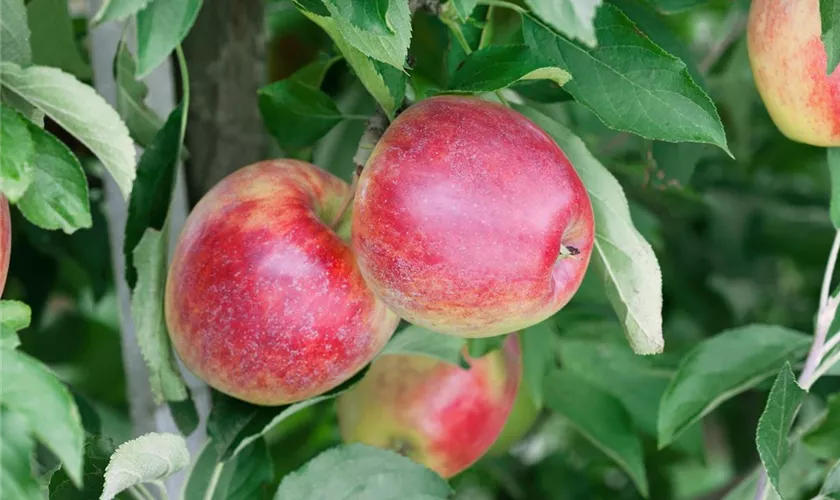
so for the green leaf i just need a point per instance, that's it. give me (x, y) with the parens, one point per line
(671, 6)
(416, 340)
(678, 160)
(9, 338)
(117, 10)
(14, 32)
(232, 420)
(834, 170)
(478, 347)
(721, 367)
(622, 258)
(152, 192)
(572, 18)
(149, 458)
(463, 8)
(46, 407)
(142, 122)
(57, 197)
(831, 487)
(359, 471)
(185, 414)
(601, 419)
(824, 440)
(771, 437)
(80, 111)
(16, 155)
(200, 475)
(245, 476)
(16, 451)
(830, 19)
(630, 83)
(385, 83)
(245, 439)
(14, 314)
(380, 29)
(499, 66)
(98, 450)
(161, 26)
(149, 321)
(297, 114)
(537, 357)
(53, 38)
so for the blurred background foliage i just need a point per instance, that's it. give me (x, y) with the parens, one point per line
(739, 241)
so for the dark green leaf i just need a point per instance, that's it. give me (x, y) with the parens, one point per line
(16, 155)
(57, 197)
(15, 33)
(479, 347)
(200, 475)
(499, 66)
(232, 420)
(97, 452)
(676, 5)
(678, 160)
(630, 83)
(771, 437)
(52, 416)
(416, 340)
(834, 170)
(359, 471)
(80, 111)
(721, 367)
(572, 18)
(246, 475)
(297, 114)
(142, 122)
(14, 314)
(824, 440)
(161, 26)
(16, 450)
(149, 321)
(185, 414)
(464, 8)
(601, 419)
(623, 259)
(152, 192)
(150, 457)
(380, 29)
(830, 19)
(537, 357)
(53, 40)
(116, 10)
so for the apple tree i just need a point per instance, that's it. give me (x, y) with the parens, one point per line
(381, 249)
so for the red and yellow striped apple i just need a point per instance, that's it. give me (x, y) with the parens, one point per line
(5, 241)
(469, 219)
(789, 63)
(435, 413)
(263, 299)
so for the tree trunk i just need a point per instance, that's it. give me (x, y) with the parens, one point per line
(225, 54)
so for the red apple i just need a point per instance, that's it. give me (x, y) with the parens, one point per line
(264, 300)
(5, 241)
(469, 219)
(789, 63)
(519, 422)
(437, 414)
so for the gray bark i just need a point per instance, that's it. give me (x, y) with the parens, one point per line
(225, 53)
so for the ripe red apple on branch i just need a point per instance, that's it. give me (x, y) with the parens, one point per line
(469, 219)
(789, 63)
(263, 299)
(5, 241)
(435, 413)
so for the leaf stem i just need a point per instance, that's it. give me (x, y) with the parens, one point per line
(826, 365)
(502, 3)
(832, 342)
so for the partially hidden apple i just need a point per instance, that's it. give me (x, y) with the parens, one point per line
(264, 301)
(469, 219)
(5, 241)
(441, 415)
(522, 417)
(789, 63)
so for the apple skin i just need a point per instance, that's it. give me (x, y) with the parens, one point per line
(5, 241)
(789, 63)
(519, 422)
(433, 412)
(459, 217)
(264, 301)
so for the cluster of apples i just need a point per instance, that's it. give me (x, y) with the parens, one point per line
(467, 219)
